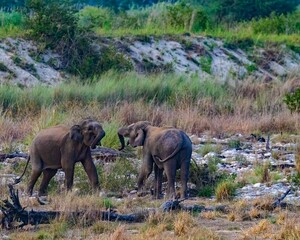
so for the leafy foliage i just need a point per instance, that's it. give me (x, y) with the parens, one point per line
(231, 10)
(54, 24)
(91, 17)
(277, 24)
(187, 17)
(292, 100)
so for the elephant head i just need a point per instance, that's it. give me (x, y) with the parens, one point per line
(88, 131)
(135, 133)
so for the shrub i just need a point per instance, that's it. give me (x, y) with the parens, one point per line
(94, 17)
(277, 24)
(11, 19)
(54, 24)
(234, 143)
(292, 100)
(119, 176)
(184, 16)
(225, 190)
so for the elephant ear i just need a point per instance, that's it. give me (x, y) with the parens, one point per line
(75, 133)
(140, 138)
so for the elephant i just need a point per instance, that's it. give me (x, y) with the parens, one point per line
(167, 148)
(61, 147)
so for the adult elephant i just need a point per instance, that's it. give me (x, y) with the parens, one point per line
(61, 147)
(169, 148)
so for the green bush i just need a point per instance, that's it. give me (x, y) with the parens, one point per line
(184, 16)
(119, 176)
(94, 17)
(54, 24)
(292, 100)
(277, 24)
(11, 19)
(225, 190)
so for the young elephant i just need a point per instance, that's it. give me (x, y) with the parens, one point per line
(61, 147)
(169, 148)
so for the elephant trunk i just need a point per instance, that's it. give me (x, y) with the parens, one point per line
(98, 138)
(122, 141)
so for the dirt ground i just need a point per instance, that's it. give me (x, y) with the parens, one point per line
(238, 220)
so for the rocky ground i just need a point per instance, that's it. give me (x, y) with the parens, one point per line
(21, 62)
(246, 217)
(242, 156)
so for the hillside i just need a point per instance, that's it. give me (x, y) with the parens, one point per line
(22, 64)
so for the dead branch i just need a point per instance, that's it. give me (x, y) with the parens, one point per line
(278, 202)
(15, 213)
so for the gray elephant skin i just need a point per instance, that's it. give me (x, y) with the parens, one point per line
(167, 148)
(61, 147)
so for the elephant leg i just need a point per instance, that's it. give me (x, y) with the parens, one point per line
(170, 170)
(158, 173)
(146, 169)
(184, 175)
(47, 175)
(91, 171)
(34, 176)
(69, 177)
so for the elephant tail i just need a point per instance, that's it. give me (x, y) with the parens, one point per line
(178, 147)
(17, 180)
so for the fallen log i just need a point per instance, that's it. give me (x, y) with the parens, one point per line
(102, 153)
(278, 202)
(4, 156)
(14, 213)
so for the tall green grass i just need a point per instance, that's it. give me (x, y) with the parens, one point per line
(161, 18)
(276, 29)
(11, 24)
(113, 87)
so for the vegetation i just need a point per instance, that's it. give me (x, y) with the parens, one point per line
(292, 101)
(104, 86)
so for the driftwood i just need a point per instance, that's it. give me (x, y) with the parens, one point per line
(102, 153)
(14, 213)
(278, 202)
(3, 156)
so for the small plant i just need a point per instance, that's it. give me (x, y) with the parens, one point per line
(207, 148)
(262, 172)
(206, 191)
(205, 62)
(292, 100)
(251, 68)
(242, 160)
(3, 68)
(101, 227)
(119, 177)
(225, 190)
(182, 223)
(234, 143)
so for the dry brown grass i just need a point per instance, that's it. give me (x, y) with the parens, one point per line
(182, 223)
(290, 230)
(119, 234)
(209, 215)
(264, 203)
(258, 229)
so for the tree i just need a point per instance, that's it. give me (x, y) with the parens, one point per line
(292, 100)
(239, 10)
